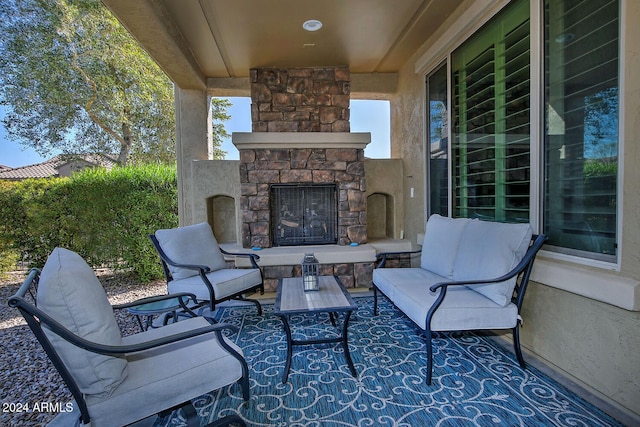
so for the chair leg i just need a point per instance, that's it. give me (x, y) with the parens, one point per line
(142, 329)
(375, 301)
(191, 415)
(429, 344)
(244, 383)
(258, 306)
(253, 301)
(516, 345)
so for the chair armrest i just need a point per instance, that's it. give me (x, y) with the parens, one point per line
(57, 328)
(253, 258)
(507, 276)
(381, 258)
(183, 298)
(201, 268)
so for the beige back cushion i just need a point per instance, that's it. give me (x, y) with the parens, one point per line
(441, 240)
(192, 244)
(70, 293)
(489, 250)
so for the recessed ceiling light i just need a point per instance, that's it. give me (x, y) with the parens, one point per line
(312, 25)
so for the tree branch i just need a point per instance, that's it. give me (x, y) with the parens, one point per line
(87, 107)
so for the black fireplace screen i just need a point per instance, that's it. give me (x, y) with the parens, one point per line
(304, 214)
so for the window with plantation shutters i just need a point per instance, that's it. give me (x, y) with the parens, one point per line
(487, 169)
(581, 138)
(491, 120)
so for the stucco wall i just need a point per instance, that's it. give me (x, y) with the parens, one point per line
(407, 142)
(596, 343)
(214, 178)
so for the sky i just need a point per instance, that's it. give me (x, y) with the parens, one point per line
(366, 116)
(13, 154)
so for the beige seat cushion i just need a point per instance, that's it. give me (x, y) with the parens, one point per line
(462, 309)
(167, 375)
(389, 279)
(226, 282)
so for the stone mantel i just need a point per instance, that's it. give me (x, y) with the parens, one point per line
(286, 140)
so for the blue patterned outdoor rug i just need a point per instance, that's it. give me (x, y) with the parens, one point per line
(475, 382)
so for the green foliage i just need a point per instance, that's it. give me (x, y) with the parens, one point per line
(218, 117)
(10, 216)
(600, 168)
(75, 81)
(106, 216)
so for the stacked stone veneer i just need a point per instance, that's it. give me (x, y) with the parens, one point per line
(300, 100)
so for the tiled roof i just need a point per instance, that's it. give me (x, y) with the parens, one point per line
(39, 170)
(50, 167)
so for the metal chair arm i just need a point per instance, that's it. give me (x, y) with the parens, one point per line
(180, 295)
(57, 328)
(201, 268)
(522, 265)
(253, 258)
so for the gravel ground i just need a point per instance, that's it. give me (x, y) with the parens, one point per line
(27, 377)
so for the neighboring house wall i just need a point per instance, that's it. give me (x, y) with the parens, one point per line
(67, 169)
(573, 315)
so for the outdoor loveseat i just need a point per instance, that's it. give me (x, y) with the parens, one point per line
(473, 276)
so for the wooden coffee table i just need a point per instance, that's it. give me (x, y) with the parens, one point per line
(331, 298)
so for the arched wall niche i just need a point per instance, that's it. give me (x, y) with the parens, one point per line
(380, 216)
(385, 201)
(221, 215)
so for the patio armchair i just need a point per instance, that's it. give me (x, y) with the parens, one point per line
(193, 262)
(118, 380)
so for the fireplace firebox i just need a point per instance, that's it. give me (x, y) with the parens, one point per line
(304, 214)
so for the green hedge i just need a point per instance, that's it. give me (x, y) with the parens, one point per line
(105, 216)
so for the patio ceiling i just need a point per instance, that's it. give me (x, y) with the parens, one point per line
(193, 40)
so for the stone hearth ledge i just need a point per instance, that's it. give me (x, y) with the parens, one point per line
(284, 140)
(292, 255)
(326, 254)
